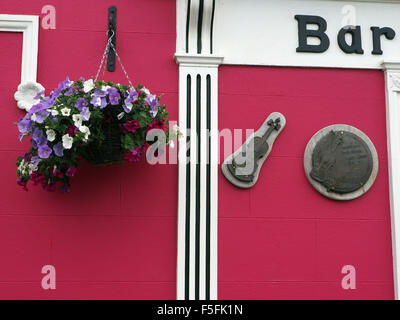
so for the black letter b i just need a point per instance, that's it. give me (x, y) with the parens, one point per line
(304, 33)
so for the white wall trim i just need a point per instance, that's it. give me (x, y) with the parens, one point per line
(191, 60)
(29, 26)
(197, 265)
(392, 79)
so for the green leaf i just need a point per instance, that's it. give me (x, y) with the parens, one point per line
(127, 142)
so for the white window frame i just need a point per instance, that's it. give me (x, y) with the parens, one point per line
(29, 26)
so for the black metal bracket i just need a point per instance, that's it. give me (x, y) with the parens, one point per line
(112, 32)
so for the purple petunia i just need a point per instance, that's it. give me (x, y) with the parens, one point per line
(70, 92)
(36, 133)
(85, 114)
(39, 95)
(59, 149)
(41, 116)
(114, 96)
(44, 151)
(130, 97)
(99, 99)
(81, 103)
(153, 104)
(35, 161)
(24, 126)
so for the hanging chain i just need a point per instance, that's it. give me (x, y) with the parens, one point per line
(106, 51)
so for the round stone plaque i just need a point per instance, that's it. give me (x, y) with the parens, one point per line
(341, 162)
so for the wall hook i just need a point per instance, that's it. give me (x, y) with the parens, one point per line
(112, 31)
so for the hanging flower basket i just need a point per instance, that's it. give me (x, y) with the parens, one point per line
(101, 122)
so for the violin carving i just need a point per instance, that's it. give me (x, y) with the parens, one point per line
(243, 167)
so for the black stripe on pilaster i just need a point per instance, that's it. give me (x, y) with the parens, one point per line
(200, 27)
(187, 26)
(208, 192)
(212, 29)
(198, 188)
(187, 224)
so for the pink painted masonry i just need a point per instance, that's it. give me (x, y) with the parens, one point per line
(182, 230)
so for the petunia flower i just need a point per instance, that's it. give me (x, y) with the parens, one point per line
(133, 155)
(67, 141)
(59, 149)
(77, 118)
(88, 85)
(85, 114)
(71, 172)
(81, 103)
(131, 96)
(44, 151)
(72, 130)
(99, 99)
(51, 135)
(24, 126)
(114, 96)
(86, 131)
(152, 101)
(65, 112)
(131, 126)
(41, 116)
(145, 90)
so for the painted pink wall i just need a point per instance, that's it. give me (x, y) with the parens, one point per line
(282, 239)
(114, 236)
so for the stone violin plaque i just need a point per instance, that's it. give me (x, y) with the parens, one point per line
(243, 167)
(341, 162)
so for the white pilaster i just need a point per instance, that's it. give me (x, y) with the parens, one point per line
(198, 152)
(392, 79)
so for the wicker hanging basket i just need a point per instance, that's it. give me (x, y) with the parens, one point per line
(107, 151)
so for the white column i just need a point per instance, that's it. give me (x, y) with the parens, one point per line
(392, 79)
(198, 177)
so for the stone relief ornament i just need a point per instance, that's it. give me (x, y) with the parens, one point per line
(28, 94)
(341, 162)
(395, 82)
(242, 168)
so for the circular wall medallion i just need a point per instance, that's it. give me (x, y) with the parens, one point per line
(341, 162)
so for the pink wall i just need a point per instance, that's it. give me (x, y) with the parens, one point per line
(114, 236)
(282, 239)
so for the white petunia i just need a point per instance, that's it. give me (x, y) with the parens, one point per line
(121, 115)
(54, 113)
(51, 135)
(105, 88)
(77, 118)
(145, 90)
(31, 168)
(65, 112)
(176, 133)
(85, 130)
(67, 141)
(33, 117)
(88, 85)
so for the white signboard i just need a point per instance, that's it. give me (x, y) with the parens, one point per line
(266, 32)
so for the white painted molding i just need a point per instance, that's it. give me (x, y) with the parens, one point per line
(265, 32)
(197, 263)
(29, 26)
(189, 60)
(392, 79)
